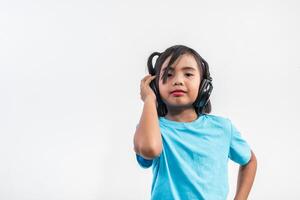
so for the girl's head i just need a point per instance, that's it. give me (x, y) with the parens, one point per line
(178, 67)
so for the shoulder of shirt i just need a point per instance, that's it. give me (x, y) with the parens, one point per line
(220, 121)
(218, 118)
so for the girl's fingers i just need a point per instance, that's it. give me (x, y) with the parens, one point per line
(150, 79)
(146, 77)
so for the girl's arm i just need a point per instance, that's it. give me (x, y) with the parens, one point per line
(147, 137)
(246, 178)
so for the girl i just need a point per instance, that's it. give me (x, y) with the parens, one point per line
(187, 147)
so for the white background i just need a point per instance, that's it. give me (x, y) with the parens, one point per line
(69, 91)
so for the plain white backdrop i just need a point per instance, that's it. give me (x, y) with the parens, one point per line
(69, 91)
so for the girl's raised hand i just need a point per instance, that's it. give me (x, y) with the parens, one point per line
(146, 90)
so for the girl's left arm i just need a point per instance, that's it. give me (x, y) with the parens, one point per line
(246, 177)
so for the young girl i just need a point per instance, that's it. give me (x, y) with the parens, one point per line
(187, 147)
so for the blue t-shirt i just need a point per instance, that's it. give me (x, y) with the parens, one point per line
(193, 164)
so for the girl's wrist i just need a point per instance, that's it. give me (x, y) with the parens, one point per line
(239, 198)
(150, 98)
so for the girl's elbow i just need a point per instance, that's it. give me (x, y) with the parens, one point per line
(150, 152)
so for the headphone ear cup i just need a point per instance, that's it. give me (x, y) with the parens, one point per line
(153, 87)
(204, 93)
(160, 106)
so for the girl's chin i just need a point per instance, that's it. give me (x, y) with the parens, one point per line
(178, 101)
(178, 104)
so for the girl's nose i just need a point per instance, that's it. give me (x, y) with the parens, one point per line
(177, 83)
(177, 80)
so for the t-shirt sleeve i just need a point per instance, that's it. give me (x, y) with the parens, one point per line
(143, 162)
(240, 151)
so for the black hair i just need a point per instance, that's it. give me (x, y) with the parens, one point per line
(175, 52)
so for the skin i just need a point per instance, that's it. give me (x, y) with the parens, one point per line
(246, 177)
(180, 109)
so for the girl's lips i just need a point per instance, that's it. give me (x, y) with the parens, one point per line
(177, 94)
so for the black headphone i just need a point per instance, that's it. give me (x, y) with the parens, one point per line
(204, 92)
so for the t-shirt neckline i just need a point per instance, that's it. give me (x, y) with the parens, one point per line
(177, 124)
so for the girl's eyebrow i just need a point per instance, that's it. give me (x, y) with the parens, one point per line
(183, 68)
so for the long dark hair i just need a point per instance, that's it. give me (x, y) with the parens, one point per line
(175, 51)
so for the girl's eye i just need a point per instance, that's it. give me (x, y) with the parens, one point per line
(188, 74)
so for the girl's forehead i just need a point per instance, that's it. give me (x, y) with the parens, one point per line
(183, 62)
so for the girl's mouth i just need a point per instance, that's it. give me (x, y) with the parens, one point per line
(177, 94)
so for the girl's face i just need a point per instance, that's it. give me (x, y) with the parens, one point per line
(184, 75)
